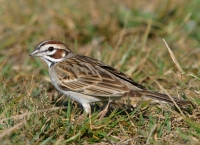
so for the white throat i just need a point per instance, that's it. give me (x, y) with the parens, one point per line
(50, 61)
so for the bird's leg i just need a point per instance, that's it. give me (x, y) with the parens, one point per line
(105, 110)
(87, 111)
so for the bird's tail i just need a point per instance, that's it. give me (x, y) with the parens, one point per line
(160, 97)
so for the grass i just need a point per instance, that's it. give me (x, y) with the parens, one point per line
(126, 35)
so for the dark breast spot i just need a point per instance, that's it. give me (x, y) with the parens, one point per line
(59, 54)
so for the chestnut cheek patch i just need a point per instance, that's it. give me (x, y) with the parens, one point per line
(59, 54)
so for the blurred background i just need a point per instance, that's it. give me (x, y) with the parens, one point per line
(124, 34)
(127, 35)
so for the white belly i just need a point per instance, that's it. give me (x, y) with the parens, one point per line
(81, 98)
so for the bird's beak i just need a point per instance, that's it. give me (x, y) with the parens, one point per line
(36, 52)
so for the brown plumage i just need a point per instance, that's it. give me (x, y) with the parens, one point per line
(87, 80)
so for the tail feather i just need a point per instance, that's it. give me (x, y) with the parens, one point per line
(159, 97)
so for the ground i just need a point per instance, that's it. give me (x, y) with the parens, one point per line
(127, 35)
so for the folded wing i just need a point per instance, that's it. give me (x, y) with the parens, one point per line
(89, 78)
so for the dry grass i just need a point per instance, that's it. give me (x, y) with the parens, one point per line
(127, 35)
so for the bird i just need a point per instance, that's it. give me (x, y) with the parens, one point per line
(88, 80)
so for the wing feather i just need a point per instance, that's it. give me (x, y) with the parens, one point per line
(85, 76)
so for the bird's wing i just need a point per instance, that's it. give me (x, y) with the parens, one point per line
(85, 75)
(123, 76)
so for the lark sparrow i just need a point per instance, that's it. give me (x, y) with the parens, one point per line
(88, 80)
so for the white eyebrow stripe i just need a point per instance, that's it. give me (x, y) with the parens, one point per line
(39, 45)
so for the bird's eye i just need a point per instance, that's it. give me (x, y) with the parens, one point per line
(50, 48)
